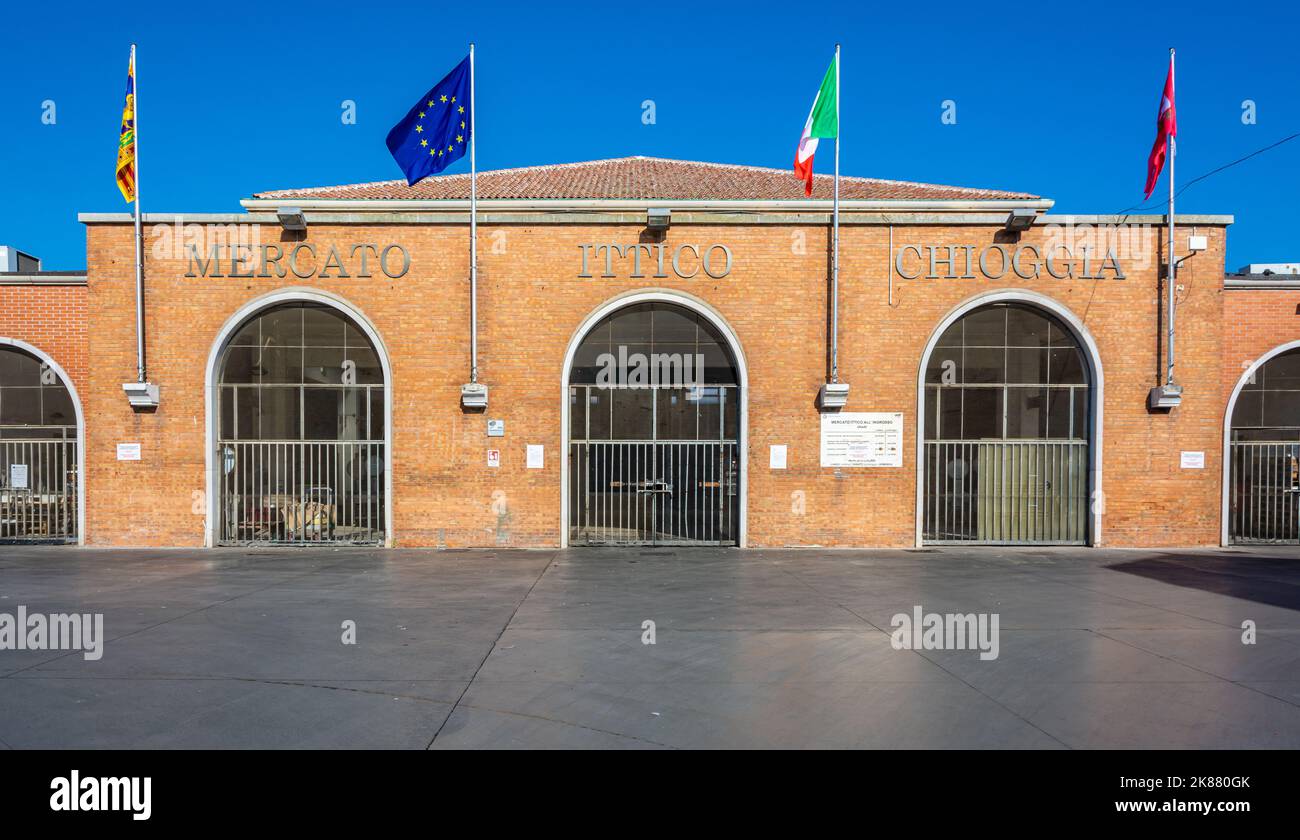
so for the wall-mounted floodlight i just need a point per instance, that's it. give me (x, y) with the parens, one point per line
(1020, 219)
(658, 218)
(291, 218)
(474, 395)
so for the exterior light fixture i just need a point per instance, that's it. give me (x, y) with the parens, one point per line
(1165, 397)
(1020, 219)
(291, 218)
(141, 395)
(658, 218)
(474, 395)
(833, 396)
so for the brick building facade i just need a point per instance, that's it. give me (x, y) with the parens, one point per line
(748, 256)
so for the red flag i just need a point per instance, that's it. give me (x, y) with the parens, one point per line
(1166, 127)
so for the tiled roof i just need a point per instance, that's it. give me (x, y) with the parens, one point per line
(643, 178)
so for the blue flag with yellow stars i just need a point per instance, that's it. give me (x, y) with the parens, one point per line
(436, 131)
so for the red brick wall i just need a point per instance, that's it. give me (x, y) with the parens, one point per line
(531, 302)
(50, 318)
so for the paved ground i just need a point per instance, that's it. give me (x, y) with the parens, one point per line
(758, 648)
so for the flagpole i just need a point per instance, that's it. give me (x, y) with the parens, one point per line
(1173, 261)
(139, 236)
(473, 227)
(835, 237)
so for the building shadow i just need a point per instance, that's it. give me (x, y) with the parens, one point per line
(1260, 578)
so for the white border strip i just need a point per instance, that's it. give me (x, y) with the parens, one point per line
(1096, 497)
(248, 310)
(81, 427)
(1227, 430)
(695, 305)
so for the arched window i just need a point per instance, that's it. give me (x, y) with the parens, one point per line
(1264, 489)
(38, 451)
(301, 434)
(1006, 424)
(654, 424)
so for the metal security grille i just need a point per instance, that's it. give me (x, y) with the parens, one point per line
(1006, 492)
(292, 492)
(38, 484)
(1265, 492)
(653, 493)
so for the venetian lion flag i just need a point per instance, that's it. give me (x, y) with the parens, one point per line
(823, 121)
(1166, 128)
(126, 139)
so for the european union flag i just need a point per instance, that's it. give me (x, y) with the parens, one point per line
(436, 131)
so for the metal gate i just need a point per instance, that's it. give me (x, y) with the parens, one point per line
(300, 492)
(1265, 492)
(653, 492)
(38, 484)
(1005, 492)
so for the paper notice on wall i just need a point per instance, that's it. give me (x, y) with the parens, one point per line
(128, 452)
(778, 457)
(1193, 461)
(18, 476)
(494, 457)
(862, 439)
(535, 456)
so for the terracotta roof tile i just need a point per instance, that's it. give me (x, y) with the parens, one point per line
(643, 178)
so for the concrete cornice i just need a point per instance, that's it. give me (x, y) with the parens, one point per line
(60, 278)
(1149, 219)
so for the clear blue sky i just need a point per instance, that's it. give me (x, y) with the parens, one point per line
(1052, 98)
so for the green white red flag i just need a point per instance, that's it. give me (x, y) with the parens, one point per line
(823, 121)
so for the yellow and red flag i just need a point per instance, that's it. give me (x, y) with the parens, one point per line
(126, 140)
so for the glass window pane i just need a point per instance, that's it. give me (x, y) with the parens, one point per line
(731, 413)
(238, 367)
(1066, 366)
(578, 413)
(1026, 413)
(950, 401)
(278, 365)
(633, 409)
(952, 337)
(671, 325)
(982, 415)
(676, 415)
(631, 325)
(249, 335)
(1281, 373)
(226, 397)
(1058, 413)
(56, 406)
(248, 405)
(1081, 397)
(323, 366)
(984, 364)
(18, 368)
(282, 327)
(1282, 408)
(20, 406)
(598, 413)
(280, 413)
(944, 360)
(1027, 365)
(1249, 410)
(931, 411)
(710, 404)
(368, 369)
(322, 327)
(986, 327)
(1026, 327)
(376, 413)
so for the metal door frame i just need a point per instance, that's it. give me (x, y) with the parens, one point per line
(742, 382)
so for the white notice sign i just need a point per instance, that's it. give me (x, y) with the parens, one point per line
(777, 457)
(1193, 461)
(862, 439)
(18, 476)
(535, 456)
(128, 452)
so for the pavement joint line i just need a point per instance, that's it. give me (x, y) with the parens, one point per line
(545, 567)
(1199, 670)
(529, 716)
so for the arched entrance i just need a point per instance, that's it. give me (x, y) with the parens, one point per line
(299, 409)
(42, 498)
(1262, 452)
(654, 415)
(1010, 403)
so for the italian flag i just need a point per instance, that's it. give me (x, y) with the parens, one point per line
(823, 121)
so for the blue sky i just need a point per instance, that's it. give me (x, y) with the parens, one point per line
(1056, 99)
